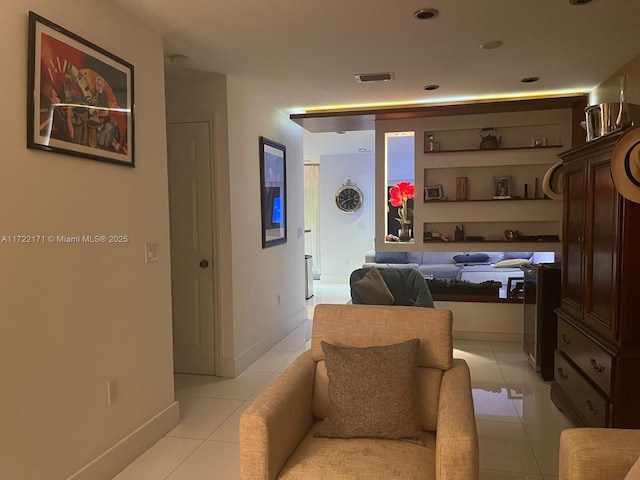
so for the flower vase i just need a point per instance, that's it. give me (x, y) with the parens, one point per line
(405, 231)
(624, 118)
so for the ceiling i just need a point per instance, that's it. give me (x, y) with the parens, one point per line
(307, 52)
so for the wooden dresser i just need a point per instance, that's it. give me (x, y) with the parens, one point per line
(597, 360)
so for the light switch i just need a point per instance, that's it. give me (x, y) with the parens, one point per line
(151, 252)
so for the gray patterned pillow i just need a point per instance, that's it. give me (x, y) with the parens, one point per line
(372, 392)
(373, 290)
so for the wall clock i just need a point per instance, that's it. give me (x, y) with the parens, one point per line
(349, 197)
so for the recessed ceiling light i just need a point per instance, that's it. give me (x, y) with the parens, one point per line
(530, 79)
(375, 77)
(491, 45)
(426, 13)
(431, 87)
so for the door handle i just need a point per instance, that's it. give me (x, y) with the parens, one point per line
(204, 263)
(561, 373)
(565, 340)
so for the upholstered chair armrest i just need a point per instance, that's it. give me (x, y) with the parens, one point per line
(457, 455)
(597, 453)
(276, 422)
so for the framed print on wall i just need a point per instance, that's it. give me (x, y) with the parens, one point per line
(273, 192)
(80, 97)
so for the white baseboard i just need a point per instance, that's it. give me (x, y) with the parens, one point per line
(233, 367)
(488, 336)
(116, 458)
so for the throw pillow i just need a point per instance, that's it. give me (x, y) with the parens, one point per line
(372, 289)
(471, 258)
(392, 257)
(634, 473)
(512, 255)
(514, 262)
(372, 392)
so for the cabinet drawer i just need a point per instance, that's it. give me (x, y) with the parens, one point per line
(588, 403)
(592, 360)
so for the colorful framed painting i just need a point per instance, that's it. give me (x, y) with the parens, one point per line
(80, 97)
(273, 192)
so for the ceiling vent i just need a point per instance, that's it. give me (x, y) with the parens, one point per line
(579, 2)
(375, 77)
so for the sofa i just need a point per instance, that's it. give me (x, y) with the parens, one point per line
(475, 267)
(599, 453)
(281, 432)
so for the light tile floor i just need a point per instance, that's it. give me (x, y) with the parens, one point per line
(518, 426)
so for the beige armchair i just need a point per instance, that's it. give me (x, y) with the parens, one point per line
(599, 454)
(277, 431)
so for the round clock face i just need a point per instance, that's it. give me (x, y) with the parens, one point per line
(349, 198)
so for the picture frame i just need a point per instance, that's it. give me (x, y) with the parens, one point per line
(502, 187)
(433, 192)
(273, 192)
(79, 98)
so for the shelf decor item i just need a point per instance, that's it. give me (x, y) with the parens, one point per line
(461, 188)
(501, 188)
(433, 192)
(624, 118)
(80, 99)
(399, 194)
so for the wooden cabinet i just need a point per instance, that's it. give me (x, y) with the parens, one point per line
(598, 352)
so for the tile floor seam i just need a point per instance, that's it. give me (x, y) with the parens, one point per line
(184, 459)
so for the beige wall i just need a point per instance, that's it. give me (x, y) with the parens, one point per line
(75, 316)
(609, 90)
(249, 279)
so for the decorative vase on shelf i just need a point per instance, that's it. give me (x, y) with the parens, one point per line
(405, 231)
(624, 117)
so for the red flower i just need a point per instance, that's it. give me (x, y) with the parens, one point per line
(400, 193)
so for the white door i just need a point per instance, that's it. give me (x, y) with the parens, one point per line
(190, 194)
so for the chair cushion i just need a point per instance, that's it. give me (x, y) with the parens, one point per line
(361, 458)
(372, 391)
(372, 289)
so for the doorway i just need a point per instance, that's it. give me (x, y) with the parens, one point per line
(192, 269)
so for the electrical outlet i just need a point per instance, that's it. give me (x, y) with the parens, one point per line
(112, 390)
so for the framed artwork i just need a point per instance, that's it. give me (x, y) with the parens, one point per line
(433, 192)
(273, 192)
(80, 97)
(501, 188)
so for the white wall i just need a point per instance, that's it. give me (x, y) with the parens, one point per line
(345, 237)
(75, 316)
(249, 279)
(267, 284)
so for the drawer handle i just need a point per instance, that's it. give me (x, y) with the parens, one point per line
(565, 340)
(561, 373)
(592, 410)
(597, 368)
